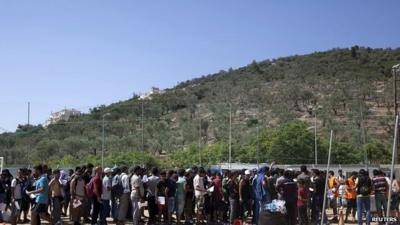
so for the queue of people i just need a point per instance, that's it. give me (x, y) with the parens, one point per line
(93, 195)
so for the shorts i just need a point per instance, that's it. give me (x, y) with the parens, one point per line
(200, 200)
(39, 208)
(380, 201)
(171, 204)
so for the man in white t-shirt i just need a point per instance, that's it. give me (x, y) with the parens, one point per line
(199, 192)
(136, 194)
(105, 196)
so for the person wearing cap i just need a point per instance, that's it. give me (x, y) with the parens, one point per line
(245, 193)
(105, 196)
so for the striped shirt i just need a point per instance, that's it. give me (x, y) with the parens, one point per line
(380, 184)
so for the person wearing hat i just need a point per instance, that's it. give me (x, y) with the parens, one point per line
(105, 196)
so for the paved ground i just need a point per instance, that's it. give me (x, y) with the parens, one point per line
(67, 222)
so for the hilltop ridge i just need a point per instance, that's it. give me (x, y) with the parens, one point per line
(351, 89)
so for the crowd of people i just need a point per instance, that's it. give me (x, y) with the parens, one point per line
(95, 195)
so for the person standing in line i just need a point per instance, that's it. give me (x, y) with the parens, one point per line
(208, 205)
(136, 194)
(318, 197)
(261, 193)
(302, 199)
(342, 190)
(3, 193)
(116, 192)
(16, 195)
(180, 195)
(145, 178)
(333, 185)
(245, 196)
(87, 176)
(27, 185)
(218, 198)
(381, 189)
(364, 190)
(67, 191)
(78, 197)
(233, 187)
(161, 197)
(306, 177)
(189, 197)
(394, 205)
(170, 193)
(39, 210)
(151, 195)
(56, 197)
(288, 191)
(200, 191)
(97, 191)
(124, 199)
(351, 195)
(105, 196)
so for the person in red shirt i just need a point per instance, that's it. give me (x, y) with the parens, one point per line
(302, 198)
(97, 190)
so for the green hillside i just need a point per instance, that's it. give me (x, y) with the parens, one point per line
(272, 106)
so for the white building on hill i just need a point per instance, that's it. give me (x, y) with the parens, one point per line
(154, 90)
(64, 114)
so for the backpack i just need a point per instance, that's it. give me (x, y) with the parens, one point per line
(364, 190)
(117, 188)
(90, 188)
(365, 187)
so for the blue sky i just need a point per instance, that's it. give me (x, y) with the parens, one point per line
(80, 54)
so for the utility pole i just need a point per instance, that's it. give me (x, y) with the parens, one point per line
(394, 153)
(258, 147)
(29, 113)
(142, 120)
(29, 139)
(363, 141)
(315, 137)
(326, 179)
(199, 145)
(395, 71)
(103, 139)
(230, 135)
(395, 88)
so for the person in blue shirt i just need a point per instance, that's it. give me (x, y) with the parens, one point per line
(41, 192)
(261, 193)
